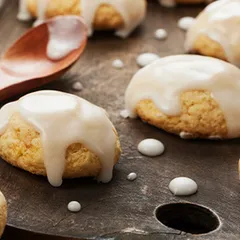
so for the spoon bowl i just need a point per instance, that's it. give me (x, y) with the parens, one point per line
(26, 66)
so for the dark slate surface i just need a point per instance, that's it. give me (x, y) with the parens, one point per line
(111, 209)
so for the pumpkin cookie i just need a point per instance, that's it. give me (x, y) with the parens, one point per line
(121, 15)
(188, 95)
(58, 135)
(215, 32)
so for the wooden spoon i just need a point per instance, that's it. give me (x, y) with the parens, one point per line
(25, 64)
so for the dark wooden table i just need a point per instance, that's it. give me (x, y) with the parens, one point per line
(109, 210)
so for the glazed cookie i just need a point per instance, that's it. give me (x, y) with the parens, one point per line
(172, 3)
(59, 135)
(215, 32)
(122, 15)
(3, 213)
(188, 95)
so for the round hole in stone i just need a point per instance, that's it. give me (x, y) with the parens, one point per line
(187, 217)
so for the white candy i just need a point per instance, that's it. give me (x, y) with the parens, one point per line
(74, 206)
(186, 135)
(132, 176)
(215, 137)
(168, 3)
(161, 34)
(23, 17)
(183, 186)
(185, 23)
(146, 58)
(124, 113)
(38, 22)
(151, 147)
(77, 86)
(118, 64)
(23, 13)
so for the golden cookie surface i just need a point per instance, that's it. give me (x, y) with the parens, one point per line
(200, 116)
(20, 145)
(205, 46)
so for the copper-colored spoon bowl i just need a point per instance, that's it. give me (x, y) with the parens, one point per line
(25, 64)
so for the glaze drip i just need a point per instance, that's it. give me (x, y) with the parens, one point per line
(166, 79)
(23, 13)
(41, 11)
(63, 119)
(219, 22)
(132, 13)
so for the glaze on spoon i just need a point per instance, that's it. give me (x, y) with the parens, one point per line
(25, 65)
(64, 37)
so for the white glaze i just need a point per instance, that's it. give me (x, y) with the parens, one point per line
(167, 78)
(132, 13)
(23, 13)
(63, 119)
(124, 113)
(64, 37)
(172, 3)
(185, 23)
(118, 63)
(151, 147)
(186, 135)
(160, 34)
(183, 186)
(77, 86)
(168, 3)
(132, 176)
(74, 206)
(215, 138)
(145, 59)
(41, 11)
(220, 21)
